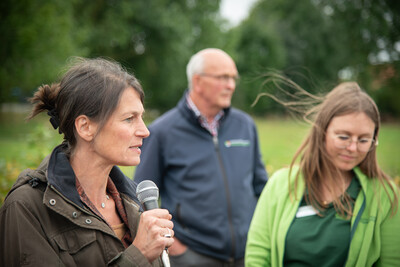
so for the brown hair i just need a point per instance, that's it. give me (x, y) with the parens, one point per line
(315, 164)
(90, 87)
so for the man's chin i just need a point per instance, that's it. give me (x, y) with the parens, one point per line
(226, 104)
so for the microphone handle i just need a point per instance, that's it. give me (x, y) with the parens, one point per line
(153, 204)
(165, 258)
(150, 204)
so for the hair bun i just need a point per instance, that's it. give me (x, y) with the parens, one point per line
(54, 120)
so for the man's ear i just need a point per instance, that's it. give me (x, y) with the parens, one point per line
(196, 79)
(85, 128)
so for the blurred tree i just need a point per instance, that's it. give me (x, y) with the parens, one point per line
(259, 46)
(37, 37)
(319, 42)
(154, 39)
(293, 37)
(314, 42)
(372, 41)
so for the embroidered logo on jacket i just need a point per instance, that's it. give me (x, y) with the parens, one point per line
(236, 142)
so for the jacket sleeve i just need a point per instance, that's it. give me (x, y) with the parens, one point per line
(23, 242)
(258, 250)
(390, 237)
(151, 160)
(260, 173)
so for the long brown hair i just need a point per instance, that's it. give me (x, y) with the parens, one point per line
(315, 163)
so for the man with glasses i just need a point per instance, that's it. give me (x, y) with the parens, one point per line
(204, 156)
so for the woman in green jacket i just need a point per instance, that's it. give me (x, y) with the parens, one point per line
(334, 206)
(77, 208)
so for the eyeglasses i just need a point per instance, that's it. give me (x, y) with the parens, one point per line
(222, 78)
(363, 144)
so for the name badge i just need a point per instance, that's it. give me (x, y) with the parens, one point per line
(237, 142)
(305, 211)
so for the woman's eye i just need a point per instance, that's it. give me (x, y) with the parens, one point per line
(343, 137)
(364, 141)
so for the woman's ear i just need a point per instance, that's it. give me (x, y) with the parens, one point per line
(85, 128)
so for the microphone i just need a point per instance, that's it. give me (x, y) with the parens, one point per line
(147, 193)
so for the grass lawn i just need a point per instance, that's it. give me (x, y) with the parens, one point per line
(24, 144)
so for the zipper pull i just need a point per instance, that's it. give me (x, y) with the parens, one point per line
(215, 140)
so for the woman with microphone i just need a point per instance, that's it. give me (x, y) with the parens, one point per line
(77, 208)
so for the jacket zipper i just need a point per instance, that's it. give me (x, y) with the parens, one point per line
(225, 178)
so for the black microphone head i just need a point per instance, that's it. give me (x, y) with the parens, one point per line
(147, 193)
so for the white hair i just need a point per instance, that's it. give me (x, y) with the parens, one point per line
(195, 66)
(196, 63)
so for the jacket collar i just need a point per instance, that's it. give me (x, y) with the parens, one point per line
(61, 176)
(362, 178)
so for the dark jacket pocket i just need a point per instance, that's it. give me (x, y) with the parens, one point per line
(75, 240)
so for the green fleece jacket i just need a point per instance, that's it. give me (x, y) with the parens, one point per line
(375, 233)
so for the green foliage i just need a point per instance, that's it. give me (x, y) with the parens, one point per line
(154, 39)
(317, 43)
(283, 35)
(37, 37)
(22, 145)
(385, 89)
(260, 48)
(8, 173)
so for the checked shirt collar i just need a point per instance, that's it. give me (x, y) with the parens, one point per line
(211, 126)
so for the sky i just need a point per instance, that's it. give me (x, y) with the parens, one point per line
(235, 10)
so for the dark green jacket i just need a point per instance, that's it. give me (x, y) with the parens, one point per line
(44, 223)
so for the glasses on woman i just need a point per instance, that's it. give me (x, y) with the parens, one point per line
(363, 144)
